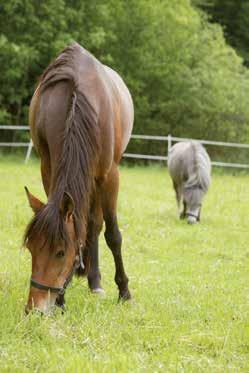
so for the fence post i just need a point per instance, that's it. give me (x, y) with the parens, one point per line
(29, 151)
(169, 143)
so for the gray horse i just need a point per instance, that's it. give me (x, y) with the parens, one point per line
(190, 169)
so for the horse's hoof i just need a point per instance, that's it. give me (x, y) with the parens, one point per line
(98, 291)
(124, 296)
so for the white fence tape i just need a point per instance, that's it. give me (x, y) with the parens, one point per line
(169, 139)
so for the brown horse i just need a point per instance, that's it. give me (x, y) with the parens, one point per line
(81, 118)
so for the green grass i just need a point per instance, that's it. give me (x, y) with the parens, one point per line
(190, 284)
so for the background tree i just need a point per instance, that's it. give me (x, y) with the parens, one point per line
(184, 78)
(233, 15)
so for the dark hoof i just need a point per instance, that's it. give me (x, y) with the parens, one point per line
(124, 295)
(182, 215)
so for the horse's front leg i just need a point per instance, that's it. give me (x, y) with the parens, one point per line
(183, 213)
(199, 215)
(93, 230)
(109, 194)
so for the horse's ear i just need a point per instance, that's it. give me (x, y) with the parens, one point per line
(67, 206)
(34, 202)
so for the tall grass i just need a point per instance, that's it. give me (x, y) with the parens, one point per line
(190, 284)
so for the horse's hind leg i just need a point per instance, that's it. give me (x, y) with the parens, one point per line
(178, 198)
(46, 175)
(45, 166)
(95, 224)
(109, 195)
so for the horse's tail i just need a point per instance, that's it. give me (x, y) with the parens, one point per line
(202, 165)
(74, 171)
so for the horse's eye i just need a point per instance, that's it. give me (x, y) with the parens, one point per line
(60, 254)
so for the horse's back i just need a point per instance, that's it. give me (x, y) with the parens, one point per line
(125, 115)
(112, 101)
(104, 90)
(177, 162)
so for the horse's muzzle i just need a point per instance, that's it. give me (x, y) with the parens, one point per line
(192, 220)
(40, 301)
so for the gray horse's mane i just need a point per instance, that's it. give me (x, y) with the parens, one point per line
(201, 167)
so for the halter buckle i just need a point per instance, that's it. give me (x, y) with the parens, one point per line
(81, 264)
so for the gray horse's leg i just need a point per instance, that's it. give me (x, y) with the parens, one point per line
(183, 213)
(178, 191)
(199, 215)
(178, 194)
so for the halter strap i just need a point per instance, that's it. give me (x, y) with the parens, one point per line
(61, 290)
(195, 186)
(40, 286)
(190, 214)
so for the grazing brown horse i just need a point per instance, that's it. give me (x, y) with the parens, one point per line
(81, 118)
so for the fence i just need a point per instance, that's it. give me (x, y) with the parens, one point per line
(28, 145)
(169, 139)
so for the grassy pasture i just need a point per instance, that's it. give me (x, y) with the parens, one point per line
(190, 284)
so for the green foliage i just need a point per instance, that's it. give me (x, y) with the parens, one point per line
(183, 77)
(189, 283)
(233, 15)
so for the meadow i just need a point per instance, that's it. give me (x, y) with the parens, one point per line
(190, 284)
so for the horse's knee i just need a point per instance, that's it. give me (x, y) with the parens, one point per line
(94, 227)
(113, 239)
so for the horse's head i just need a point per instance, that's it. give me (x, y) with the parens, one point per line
(50, 238)
(192, 196)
